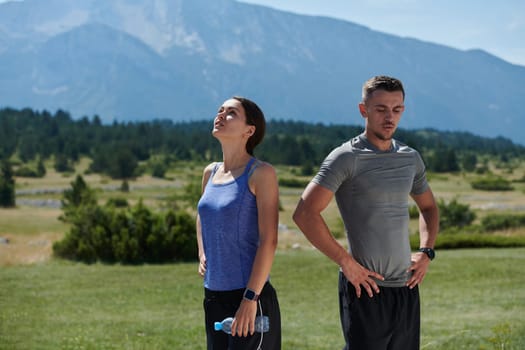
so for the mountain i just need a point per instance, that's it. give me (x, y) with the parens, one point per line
(180, 59)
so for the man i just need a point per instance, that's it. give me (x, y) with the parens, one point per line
(372, 176)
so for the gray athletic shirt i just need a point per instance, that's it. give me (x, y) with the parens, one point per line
(371, 189)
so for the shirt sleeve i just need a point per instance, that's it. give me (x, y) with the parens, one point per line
(420, 183)
(335, 169)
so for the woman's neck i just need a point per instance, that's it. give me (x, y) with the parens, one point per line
(234, 159)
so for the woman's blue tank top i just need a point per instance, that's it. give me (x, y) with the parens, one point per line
(230, 231)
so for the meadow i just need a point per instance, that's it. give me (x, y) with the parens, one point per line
(471, 298)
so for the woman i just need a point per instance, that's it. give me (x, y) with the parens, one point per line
(237, 232)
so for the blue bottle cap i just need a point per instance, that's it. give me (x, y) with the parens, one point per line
(218, 326)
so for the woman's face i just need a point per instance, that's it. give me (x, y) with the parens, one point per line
(230, 121)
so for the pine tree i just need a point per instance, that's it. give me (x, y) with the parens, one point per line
(7, 185)
(79, 195)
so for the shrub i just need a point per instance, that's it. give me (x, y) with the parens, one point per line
(413, 212)
(469, 162)
(62, 164)
(492, 184)
(124, 186)
(40, 168)
(117, 202)
(454, 214)
(293, 182)
(159, 170)
(472, 240)
(307, 169)
(78, 196)
(192, 192)
(502, 221)
(26, 171)
(130, 236)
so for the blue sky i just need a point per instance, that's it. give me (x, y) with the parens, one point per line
(496, 26)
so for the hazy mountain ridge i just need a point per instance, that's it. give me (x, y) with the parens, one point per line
(180, 59)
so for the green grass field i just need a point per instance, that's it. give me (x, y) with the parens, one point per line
(471, 299)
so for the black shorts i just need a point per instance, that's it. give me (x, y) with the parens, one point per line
(389, 320)
(219, 305)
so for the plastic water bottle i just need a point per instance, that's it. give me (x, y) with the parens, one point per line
(262, 324)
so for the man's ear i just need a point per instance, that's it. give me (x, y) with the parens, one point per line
(362, 110)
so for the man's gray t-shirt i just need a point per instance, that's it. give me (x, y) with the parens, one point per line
(371, 189)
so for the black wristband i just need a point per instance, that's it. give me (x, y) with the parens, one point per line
(429, 252)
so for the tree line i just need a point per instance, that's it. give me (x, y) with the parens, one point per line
(116, 232)
(117, 148)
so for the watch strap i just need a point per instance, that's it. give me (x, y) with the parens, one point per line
(429, 252)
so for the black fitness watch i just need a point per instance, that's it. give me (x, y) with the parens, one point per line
(429, 252)
(250, 295)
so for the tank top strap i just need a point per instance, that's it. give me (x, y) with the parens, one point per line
(249, 169)
(215, 167)
(213, 171)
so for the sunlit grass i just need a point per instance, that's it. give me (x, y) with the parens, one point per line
(468, 297)
(471, 298)
(30, 221)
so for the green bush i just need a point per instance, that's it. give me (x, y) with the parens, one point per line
(78, 196)
(130, 236)
(307, 169)
(491, 184)
(117, 202)
(26, 171)
(159, 170)
(471, 240)
(454, 214)
(502, 221)
(293, 182)
(124, 186)
(62, 164)
(413, 212)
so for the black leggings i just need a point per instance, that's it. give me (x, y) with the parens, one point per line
(219, 305)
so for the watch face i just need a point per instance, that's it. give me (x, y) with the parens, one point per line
(428, 251)
(249, 294)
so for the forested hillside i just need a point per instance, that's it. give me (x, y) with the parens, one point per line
(27, 135)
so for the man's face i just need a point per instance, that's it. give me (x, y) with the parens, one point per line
(382, 112)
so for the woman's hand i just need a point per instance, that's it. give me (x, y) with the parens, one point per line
(202, 265)
(244, 321)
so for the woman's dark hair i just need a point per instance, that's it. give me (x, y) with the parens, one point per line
(255, 117)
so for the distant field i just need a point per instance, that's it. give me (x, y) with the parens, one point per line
(31, 228)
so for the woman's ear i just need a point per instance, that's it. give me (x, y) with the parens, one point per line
(250, 131)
